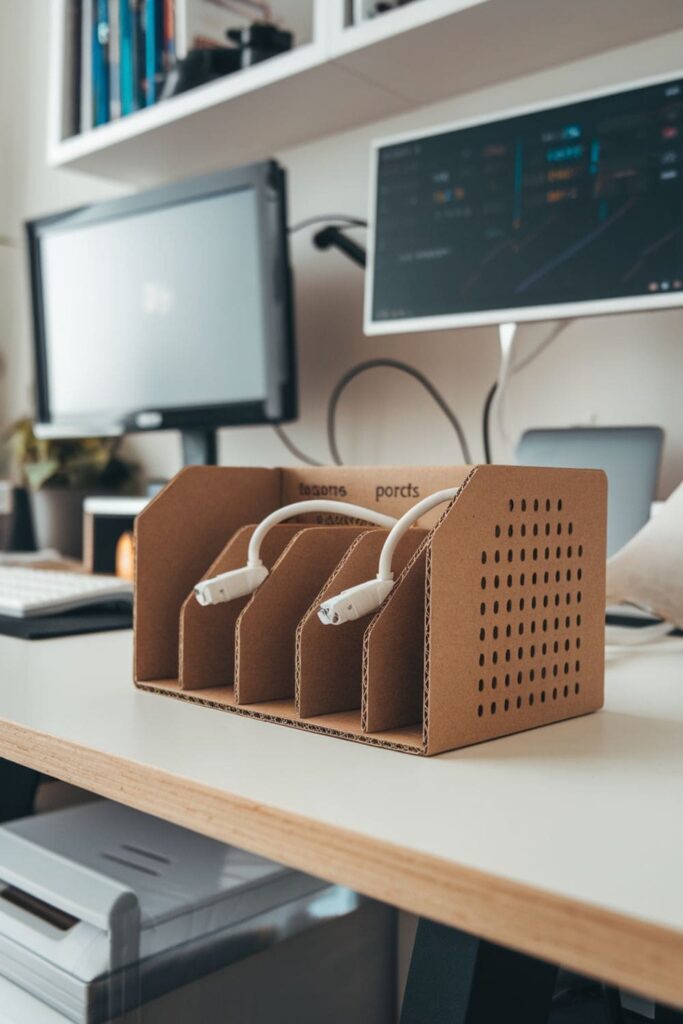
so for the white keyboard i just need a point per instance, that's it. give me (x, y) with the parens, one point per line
(26, 593)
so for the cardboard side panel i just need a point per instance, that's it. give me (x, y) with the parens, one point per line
(393, 653)
(266, 628)
(329, 659)
(516, 601)
(391, 490)
(177, 536)
(207, 635)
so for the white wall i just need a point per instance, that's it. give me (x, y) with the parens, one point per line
(27, 186)
(626, 369)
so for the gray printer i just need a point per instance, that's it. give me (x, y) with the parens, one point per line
(104, 910)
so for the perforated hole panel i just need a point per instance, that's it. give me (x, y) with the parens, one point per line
(531, 596)
(531, 640)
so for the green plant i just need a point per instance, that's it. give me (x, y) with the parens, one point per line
(78, 463)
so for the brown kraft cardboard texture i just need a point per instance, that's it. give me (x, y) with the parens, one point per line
(495, 624)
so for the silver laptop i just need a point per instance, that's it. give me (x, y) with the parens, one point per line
(630, 457)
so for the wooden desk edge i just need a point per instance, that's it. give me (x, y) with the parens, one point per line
(638, 956)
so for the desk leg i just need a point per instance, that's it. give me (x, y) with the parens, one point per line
(612, 1001)
(667, 1015)
(455, 978)
(17, 790)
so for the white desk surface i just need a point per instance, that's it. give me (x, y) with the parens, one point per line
(565, 842)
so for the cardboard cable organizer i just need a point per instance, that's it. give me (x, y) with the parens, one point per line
(495, 623)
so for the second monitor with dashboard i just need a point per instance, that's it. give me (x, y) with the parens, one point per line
(551, 211)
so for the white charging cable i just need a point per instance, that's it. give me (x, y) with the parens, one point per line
(629, 636)
(367, 597)
(507, 333)
(240, 582)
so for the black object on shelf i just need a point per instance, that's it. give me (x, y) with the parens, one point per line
(384, 8)
(200, 66)
(253, 44)
(259, 41)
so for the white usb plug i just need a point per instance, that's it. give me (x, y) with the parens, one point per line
(229, 585)
(367, 597)
(355, 602)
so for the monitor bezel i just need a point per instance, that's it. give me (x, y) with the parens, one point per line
(268, 181)
(520, 314)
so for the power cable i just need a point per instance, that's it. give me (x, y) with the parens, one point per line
(338, 219)
(393, 364)
(294, 449)
(521, 365)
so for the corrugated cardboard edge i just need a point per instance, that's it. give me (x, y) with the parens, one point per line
(309, 725)
(428, 609)
(378, 619)
(175, 546)
(335, 638)
(313, 610)
(263, 618)
(205, 626)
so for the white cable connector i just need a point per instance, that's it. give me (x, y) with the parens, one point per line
(229, 585)
(355, 602)
(244, 581)
(367, 597)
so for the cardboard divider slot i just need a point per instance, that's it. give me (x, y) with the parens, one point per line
(329, 659)
(207, 635)
(265, 634)
(177, 536)
(393, 654)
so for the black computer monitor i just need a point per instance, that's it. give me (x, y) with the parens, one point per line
(167, 309)
(557, 210)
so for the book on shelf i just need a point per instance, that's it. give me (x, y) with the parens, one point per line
(114, 60)
(169, 34)
(154, 50)
(132, 53)
(86, 107)
(120, 51)
(71, 111)
(100, 62)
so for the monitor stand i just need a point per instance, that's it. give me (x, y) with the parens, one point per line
(200, 447)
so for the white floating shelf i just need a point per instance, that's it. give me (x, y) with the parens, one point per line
(233, 120)
(436, 49)
(349, 76)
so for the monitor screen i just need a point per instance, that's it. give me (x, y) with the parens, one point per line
(157, 309)
(562, 211)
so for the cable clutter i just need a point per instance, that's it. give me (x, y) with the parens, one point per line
(469, 601)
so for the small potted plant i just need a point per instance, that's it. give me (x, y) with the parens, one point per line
(59, 475)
